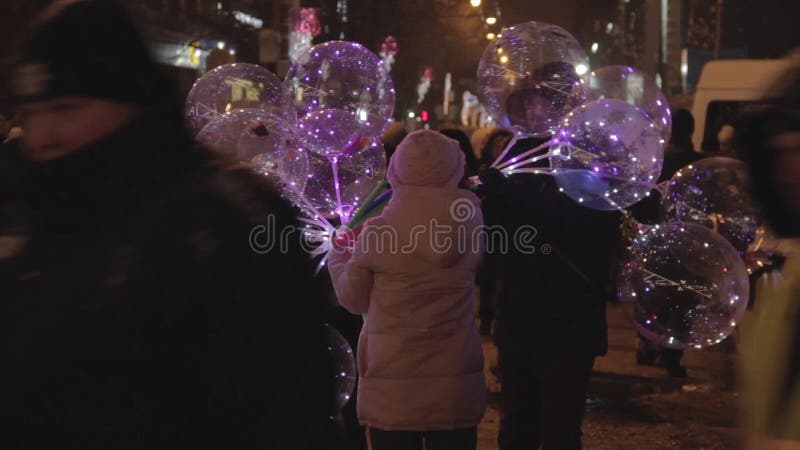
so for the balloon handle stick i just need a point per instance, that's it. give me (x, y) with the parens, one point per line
(366, 205)
(336, 184)
(505, 151)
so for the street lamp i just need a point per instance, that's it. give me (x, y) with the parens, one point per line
(491, 20)
(490, 36)
(475, 3)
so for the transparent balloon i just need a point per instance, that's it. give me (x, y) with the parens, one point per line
(607, 155)
(530, 77)
(632, 86)
(230, 87)
(256, 138)
(687, 286)
(330, 129)
(715, 192)
(337, 93)
(345, 363)
(357, 176)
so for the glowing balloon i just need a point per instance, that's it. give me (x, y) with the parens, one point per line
(715, 192)
(346, 375)
(255, 138)
(336, 94)
(632, 86)
(686, 284)
(608, 155)
(230, 87)
(530, 77)
(357, 176)
(330, 129)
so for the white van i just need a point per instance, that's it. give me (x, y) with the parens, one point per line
(725, 86)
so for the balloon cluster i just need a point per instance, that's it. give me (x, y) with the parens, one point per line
(605, 133)
(315, 134)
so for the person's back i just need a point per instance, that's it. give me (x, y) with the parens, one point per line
(554, 287)
(550, 325)
(412, 273)
(679, 152)
(136, 316)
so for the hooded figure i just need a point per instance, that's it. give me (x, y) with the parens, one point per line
(411, 272)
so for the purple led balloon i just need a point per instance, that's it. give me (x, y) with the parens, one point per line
(608, 155)
(530, 77)
(357, 176)
(715, 192)
(632, 86)
(346, 374)
(336, 130)
(338, 76)
(230, 87)
(255, 138)
(686, 284)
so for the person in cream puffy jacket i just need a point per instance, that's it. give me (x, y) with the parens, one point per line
(412, 272)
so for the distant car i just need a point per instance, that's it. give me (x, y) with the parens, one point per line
(724, 88)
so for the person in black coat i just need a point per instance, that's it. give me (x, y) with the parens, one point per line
(147, 309)
(554, 278)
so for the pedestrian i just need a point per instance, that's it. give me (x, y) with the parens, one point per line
(470, 161)
(138, 315)
(768, 137)
(554, 276)
(725, 139)
(679, 151)
(412, 273)
(391, 138)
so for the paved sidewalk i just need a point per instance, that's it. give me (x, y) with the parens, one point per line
(642, 408)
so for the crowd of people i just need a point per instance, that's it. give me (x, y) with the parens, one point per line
(134, 313)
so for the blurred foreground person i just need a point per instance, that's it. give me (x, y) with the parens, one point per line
(768, 137)
(139, 316)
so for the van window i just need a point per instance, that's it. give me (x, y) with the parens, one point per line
(719, 113)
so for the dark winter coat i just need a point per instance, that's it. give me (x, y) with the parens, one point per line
(555, 273)
(139, 317)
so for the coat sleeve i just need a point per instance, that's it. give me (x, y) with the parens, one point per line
(352, 277)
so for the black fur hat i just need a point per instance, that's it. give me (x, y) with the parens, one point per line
(87, 48)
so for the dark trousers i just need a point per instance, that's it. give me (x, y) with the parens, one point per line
(460, 439)
(487, 286)
(542, 400)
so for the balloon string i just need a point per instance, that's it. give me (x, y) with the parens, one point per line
(522, 155)
(505, 151)
(336, 185)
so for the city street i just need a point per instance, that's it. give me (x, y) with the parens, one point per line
(633, 407)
